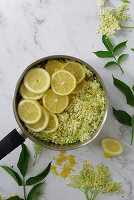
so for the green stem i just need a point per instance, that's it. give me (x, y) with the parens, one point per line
(118, 64)
(132, 137)
(95, 194)
(126, 26)
(97, 197)
(24, 188)
(86, 194)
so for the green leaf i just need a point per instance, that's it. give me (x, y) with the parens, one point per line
(121, 58)
(118, 47)
(126, 90)
(14, 174)
(133, 88)
(125, 1)
(37, 195)
(122, 117)
(132, 123)
(14, 198)
(107, 43)
(23, 160)
(110, 63)
(39, 177)
(103, 54)
(34, 191)
(132, 49)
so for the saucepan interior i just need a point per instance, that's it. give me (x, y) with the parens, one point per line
(17, 97)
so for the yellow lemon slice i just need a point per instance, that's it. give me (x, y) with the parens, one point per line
(111, 147)
(53, 66)
(29, 111)
(63, 82)
(55, 103)
(52, 125)
(41, 124)
(79, 87)
(76, 69)
(26, 94)
(37, 80)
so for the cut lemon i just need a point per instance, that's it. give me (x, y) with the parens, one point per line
(41, 124)
(53, 66)
(78, 87)
(63, 82)
(76, 69)
(111, 147)
(26, 94)
(52, 125)
(37, 80)
(55, 103)
(29, 111)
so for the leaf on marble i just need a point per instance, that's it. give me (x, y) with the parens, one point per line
(34, 191)
(125, 89)
(23, 160)
(14, 174)
(132, 123)
(39, 177)
(122, 116)
(132, 49)
(103, 54)
(121, 58)
(111, 53)
(109, 64)
(118, 47)
(107, 43)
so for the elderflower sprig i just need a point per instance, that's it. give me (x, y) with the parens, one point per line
(97, 182)
(111, 52)
(111, 20)
(37, 151)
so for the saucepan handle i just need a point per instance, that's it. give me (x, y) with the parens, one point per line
(10, 142)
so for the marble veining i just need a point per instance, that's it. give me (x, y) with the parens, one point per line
(30, 30)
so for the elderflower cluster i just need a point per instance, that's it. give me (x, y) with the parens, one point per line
(110, 20)
(97, 181)
(121, 13)
(102, 3)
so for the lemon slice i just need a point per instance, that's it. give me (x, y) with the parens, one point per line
(63, 82)
(52, 125)
(76, 69)
(37, 80)
(78, 87)
(26, 94)
(53, 66)
(111, 147)
(29, 111)
(55, 103)
(41, 124)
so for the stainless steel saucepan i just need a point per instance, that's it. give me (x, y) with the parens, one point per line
(18, 136)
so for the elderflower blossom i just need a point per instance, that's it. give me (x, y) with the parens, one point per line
(102, 3)
(37, 151)
(108, 22)
(96, 181)
(121, 13)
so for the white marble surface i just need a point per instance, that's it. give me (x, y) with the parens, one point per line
(32, 29)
